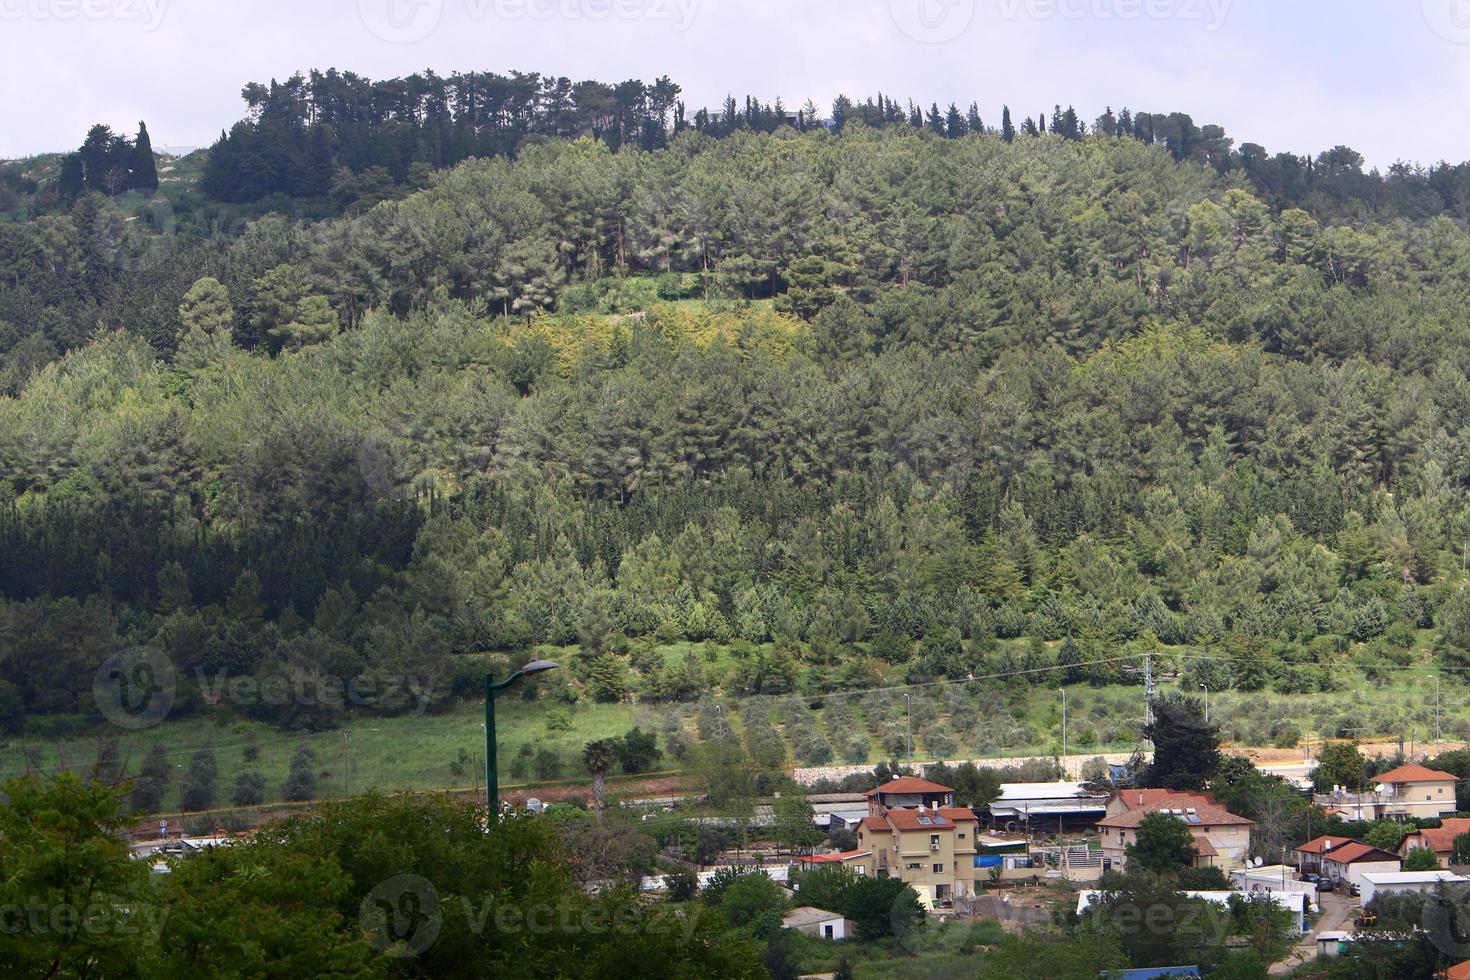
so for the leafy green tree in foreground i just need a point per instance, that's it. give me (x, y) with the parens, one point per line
(1163, 844)
(1421, 859)
(76, 902)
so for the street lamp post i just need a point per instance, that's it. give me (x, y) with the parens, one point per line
(1206, 689)
(492, 689)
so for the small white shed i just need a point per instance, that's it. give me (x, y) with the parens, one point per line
(817, 922)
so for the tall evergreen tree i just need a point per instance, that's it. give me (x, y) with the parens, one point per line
(1007, 130)
(142, 169)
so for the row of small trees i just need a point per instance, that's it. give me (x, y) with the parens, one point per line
(199, 787)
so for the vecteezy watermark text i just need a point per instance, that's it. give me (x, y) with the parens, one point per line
(97, 918)
(409, 21)
(136, 689)
(392, 692)
(1209, 13)
(404, 915)
(147, 13)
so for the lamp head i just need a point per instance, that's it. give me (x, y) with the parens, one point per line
(538, 667)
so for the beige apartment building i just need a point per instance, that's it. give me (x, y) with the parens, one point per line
(914, 832)
(1406, 793)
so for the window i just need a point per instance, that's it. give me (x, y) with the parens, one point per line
(939, 869)
(962, 836)
(933, 840)
(914, 867)
(827, 931)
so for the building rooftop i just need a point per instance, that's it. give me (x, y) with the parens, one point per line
(1135, 799)
(1021, 792)
(1186, 808)
(909, 786)
(1356, 850)
(1442, 838)
(1322, 844)
(1413, 877)
(1414, 774)
(807, 916)
(832, 858)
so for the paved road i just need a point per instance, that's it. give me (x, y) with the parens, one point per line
(1338, 913)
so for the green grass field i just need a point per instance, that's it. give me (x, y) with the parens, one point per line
(999, 719)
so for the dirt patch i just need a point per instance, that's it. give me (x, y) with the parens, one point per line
(1378, 750)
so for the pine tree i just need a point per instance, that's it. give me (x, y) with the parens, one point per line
(142, 170)
(73, 180)
(1007, 130)
(973, 122)
(954, 123)
(936, 119)
(152, 780)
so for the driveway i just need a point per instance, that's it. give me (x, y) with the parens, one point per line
(1339, 912)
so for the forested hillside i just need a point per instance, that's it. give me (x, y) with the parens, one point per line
(856, 406)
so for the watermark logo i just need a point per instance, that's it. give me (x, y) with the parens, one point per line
(1446, 919)
(1212, 14)
(1450, 19)
(933, 21)
(402, 916)
(135, 689)
(401, 21)
(410, 21)
(147, 13)
(135, 230)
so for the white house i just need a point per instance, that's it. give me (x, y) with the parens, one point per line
(1407, 881)
(1273, 878)
(817, 922)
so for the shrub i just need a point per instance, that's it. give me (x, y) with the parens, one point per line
(249, 789)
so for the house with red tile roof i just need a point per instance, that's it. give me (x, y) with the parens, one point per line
(1222, 839)
(1309, 855)
(1440, 840)
(1124, 800)
(1349, 860)
(1407, 793)
(914, 832)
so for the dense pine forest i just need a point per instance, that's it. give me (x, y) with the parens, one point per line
(857, 398)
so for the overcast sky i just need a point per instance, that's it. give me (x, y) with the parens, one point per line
(1390, 78)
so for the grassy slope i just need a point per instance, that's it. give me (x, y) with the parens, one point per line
(444, 750)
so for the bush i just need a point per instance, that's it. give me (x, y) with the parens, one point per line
(301, 779)
(249, 789)
(197, 787)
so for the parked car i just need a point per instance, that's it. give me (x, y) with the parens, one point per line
(1310, 876)
(1326, 885)
(1355, 890)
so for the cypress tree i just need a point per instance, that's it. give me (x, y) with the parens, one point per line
(143, 172)
(1007, 129)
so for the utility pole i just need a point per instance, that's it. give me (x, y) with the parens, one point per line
(1437, 731)
(1064, 744)
(908, 700)
(1148, 690)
